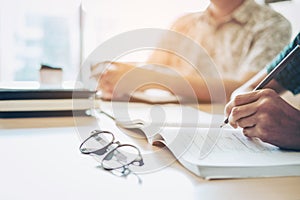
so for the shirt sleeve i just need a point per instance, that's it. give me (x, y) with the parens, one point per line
(289, 77)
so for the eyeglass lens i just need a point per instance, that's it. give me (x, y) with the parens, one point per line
(97, 143)
(121, 156)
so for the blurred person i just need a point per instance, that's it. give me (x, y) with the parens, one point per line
(239, 35)
(263, 113)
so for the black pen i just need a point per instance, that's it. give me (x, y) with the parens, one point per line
(273, 73)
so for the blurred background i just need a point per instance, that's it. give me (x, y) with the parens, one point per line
(63, 33)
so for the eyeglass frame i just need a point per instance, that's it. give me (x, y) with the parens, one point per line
(104, 150)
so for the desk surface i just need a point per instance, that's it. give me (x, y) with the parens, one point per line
(40, 160)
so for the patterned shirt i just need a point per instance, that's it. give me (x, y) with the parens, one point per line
(289, 77)
(245, 41)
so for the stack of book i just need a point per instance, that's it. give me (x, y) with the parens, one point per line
(15, 103)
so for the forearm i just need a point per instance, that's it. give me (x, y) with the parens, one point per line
(168, 79)
(207, 89)
(194, 86)
(191, 87)
(216, 89)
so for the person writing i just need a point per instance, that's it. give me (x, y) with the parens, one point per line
(263, 113)
(239, 35)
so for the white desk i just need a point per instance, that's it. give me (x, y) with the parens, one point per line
(40, 160)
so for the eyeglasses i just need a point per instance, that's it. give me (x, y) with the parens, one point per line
(118, 156)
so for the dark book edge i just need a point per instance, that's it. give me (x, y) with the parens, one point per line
(15, 94)
(29, 114)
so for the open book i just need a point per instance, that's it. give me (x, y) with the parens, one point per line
(195, 139)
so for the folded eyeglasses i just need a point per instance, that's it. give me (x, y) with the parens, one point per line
(117, 157)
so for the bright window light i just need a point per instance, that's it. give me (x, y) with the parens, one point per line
(34, 32)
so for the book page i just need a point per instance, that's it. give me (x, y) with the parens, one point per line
(224, 147)
(138, 115)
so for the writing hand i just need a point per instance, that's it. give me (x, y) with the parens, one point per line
(264, 114)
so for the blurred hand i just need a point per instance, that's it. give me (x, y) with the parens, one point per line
(264, 114)
(108, 80)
